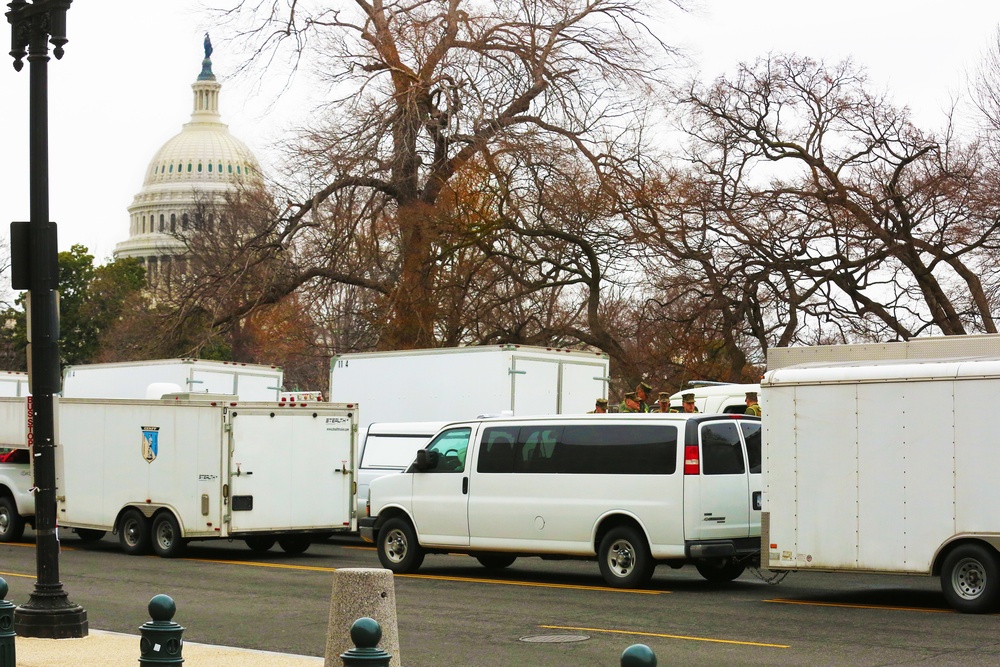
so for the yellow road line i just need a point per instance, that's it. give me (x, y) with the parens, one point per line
(433, 577)
(14, 574)
(850, 605)
(665, 636)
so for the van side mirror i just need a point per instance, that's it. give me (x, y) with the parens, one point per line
(422, 463)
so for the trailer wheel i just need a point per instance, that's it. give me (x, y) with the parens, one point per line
(133, 533)
(624, 558)
(89, 534)
(295, 544)
(720, 570)
(398, 549)
(11, 523)
(260, 543)
(496, 561)
(167, 540)
(970, 579)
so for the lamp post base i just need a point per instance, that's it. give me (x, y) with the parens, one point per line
(50, 615)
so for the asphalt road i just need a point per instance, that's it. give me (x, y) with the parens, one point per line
(540, 613)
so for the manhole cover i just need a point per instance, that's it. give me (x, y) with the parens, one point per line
(555, 639)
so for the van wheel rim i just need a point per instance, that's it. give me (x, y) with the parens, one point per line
(621, 558)
(395, 546)
(4, 521)
(968, 579)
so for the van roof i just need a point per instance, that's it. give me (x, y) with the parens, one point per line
(728, 389)
(420, 428)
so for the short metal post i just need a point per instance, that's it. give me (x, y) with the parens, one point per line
(8, 655)
(366, 634)
(638, 655)
(161, 641)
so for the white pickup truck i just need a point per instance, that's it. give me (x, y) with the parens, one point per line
(17, 504)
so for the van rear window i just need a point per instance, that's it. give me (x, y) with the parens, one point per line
(592, 449)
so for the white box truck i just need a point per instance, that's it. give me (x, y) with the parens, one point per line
(151, 379)
(883, 458)
(462, 383)
(160, 473)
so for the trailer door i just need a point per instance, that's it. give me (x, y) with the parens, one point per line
(290, 469)
(534, 387)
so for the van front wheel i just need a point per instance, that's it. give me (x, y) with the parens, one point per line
(398, 549)
(624, 558)
(970, 579)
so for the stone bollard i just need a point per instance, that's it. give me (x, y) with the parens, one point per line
(366, 634)
(357, 593)
(638, 655)
(161, 641)
(8, 654)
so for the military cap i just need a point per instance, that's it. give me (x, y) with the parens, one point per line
(687, 398)
(664, 396)
(752, 394)
(602, 401)
(630, 394)
(646, 387)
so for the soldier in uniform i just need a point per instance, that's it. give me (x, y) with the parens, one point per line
(664, 403)
(631, 403)
(600, 407)
(687, 403)
(642, 392)
(753, 407)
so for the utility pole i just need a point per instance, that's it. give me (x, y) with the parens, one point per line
(34, 266)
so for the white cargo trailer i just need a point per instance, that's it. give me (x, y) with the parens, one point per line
(462, 383)
(161, 473)
(134, 379)
(883, 458)
(13, 383)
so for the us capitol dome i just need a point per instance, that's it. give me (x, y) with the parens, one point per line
(197, 166)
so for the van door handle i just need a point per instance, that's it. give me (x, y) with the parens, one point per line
(757, 500)
(465, 485)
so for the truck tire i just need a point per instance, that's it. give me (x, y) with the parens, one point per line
(496, 561)
(720, 570)
(166, 538)
(11, 523)
(133, 533)
(260, 543)
(89, 534)
(398, 549)
(624, 558)
(294, 544)
(970, 579)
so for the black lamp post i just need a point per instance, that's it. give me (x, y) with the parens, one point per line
(34, 266)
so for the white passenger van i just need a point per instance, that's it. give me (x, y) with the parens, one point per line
(632, 490)
(717, 397)
(389, 448)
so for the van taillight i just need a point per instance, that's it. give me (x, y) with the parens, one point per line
(691, 466)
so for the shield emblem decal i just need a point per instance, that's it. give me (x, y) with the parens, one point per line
(150, 442)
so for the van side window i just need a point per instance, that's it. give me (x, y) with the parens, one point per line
(496, 452)
(447, 451)
(536, 448)
(618, 450)
(721, 450)
(751, 433)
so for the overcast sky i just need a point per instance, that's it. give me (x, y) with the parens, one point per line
(123, 87)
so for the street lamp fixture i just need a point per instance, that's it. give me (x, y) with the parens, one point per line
(34, 267)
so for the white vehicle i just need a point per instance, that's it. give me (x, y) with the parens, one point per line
(389, 448)
(466, 382)
(134, 379)
(632, 490)
(13, 383)
(883, 458)
(161, 473)
(717, 397)
(17, 503)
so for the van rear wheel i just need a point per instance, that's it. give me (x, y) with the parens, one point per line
(398, 549)
(624, 558)
(294, 545)
(970, 579)
(720, 570)
(259, 543)
(496, 561)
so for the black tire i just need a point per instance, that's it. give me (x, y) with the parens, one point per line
(970, 579)
(720, 570)
(133, 533)
(624, 558)
(260, 543)
(11, 523)
(89, 534)
(398, 549)
(166, 537)
(496, 561)
(295, 544)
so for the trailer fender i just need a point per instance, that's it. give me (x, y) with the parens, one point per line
(991, 539)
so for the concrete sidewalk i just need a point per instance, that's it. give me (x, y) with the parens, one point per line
(112, 649)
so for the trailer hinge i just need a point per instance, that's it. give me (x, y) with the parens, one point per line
(227, 428)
